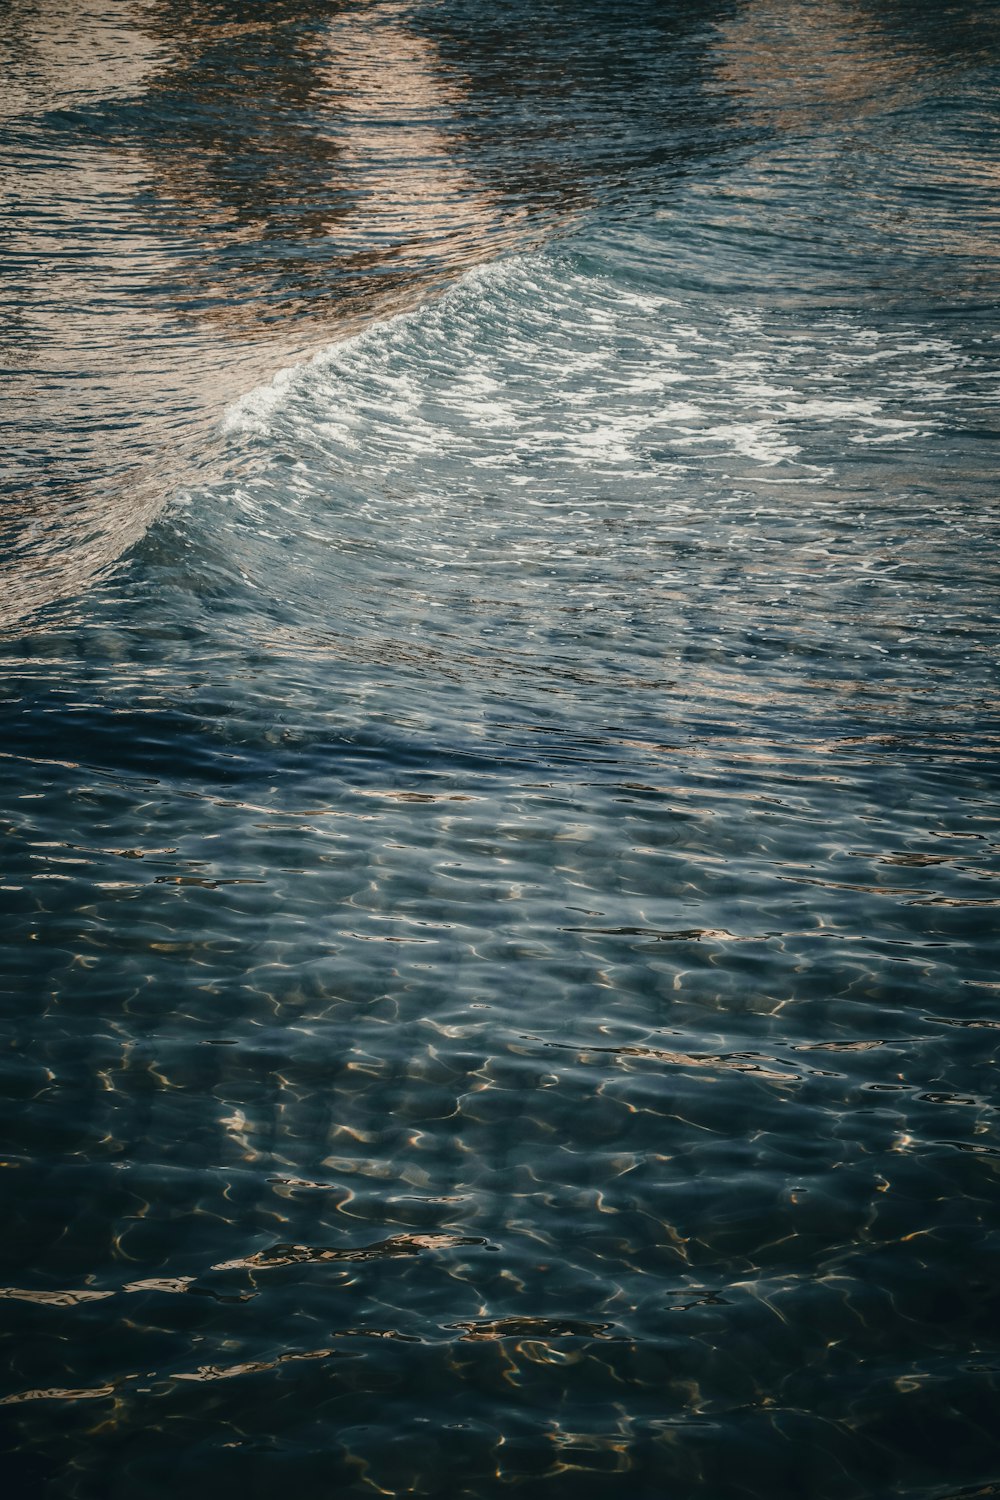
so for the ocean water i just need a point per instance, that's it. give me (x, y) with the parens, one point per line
(498, 642)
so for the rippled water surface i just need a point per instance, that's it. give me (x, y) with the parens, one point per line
(498, 625)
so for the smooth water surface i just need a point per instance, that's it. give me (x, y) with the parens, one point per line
(499, 825)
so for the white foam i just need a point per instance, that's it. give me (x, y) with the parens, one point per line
(530, 370)
(252, 412)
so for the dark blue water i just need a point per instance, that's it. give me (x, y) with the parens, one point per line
(498, 582)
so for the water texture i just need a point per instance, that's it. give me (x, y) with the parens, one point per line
(498, 639)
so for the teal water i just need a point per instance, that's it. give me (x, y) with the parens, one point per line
(499, 635)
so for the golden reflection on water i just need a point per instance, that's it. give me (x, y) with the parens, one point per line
(73, 52)
(160, 265)
(794, 59)
(802, 66)
(437, 203)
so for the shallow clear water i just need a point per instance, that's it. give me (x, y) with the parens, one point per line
(499, 595)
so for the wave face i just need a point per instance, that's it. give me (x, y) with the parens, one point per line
(499, 816)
